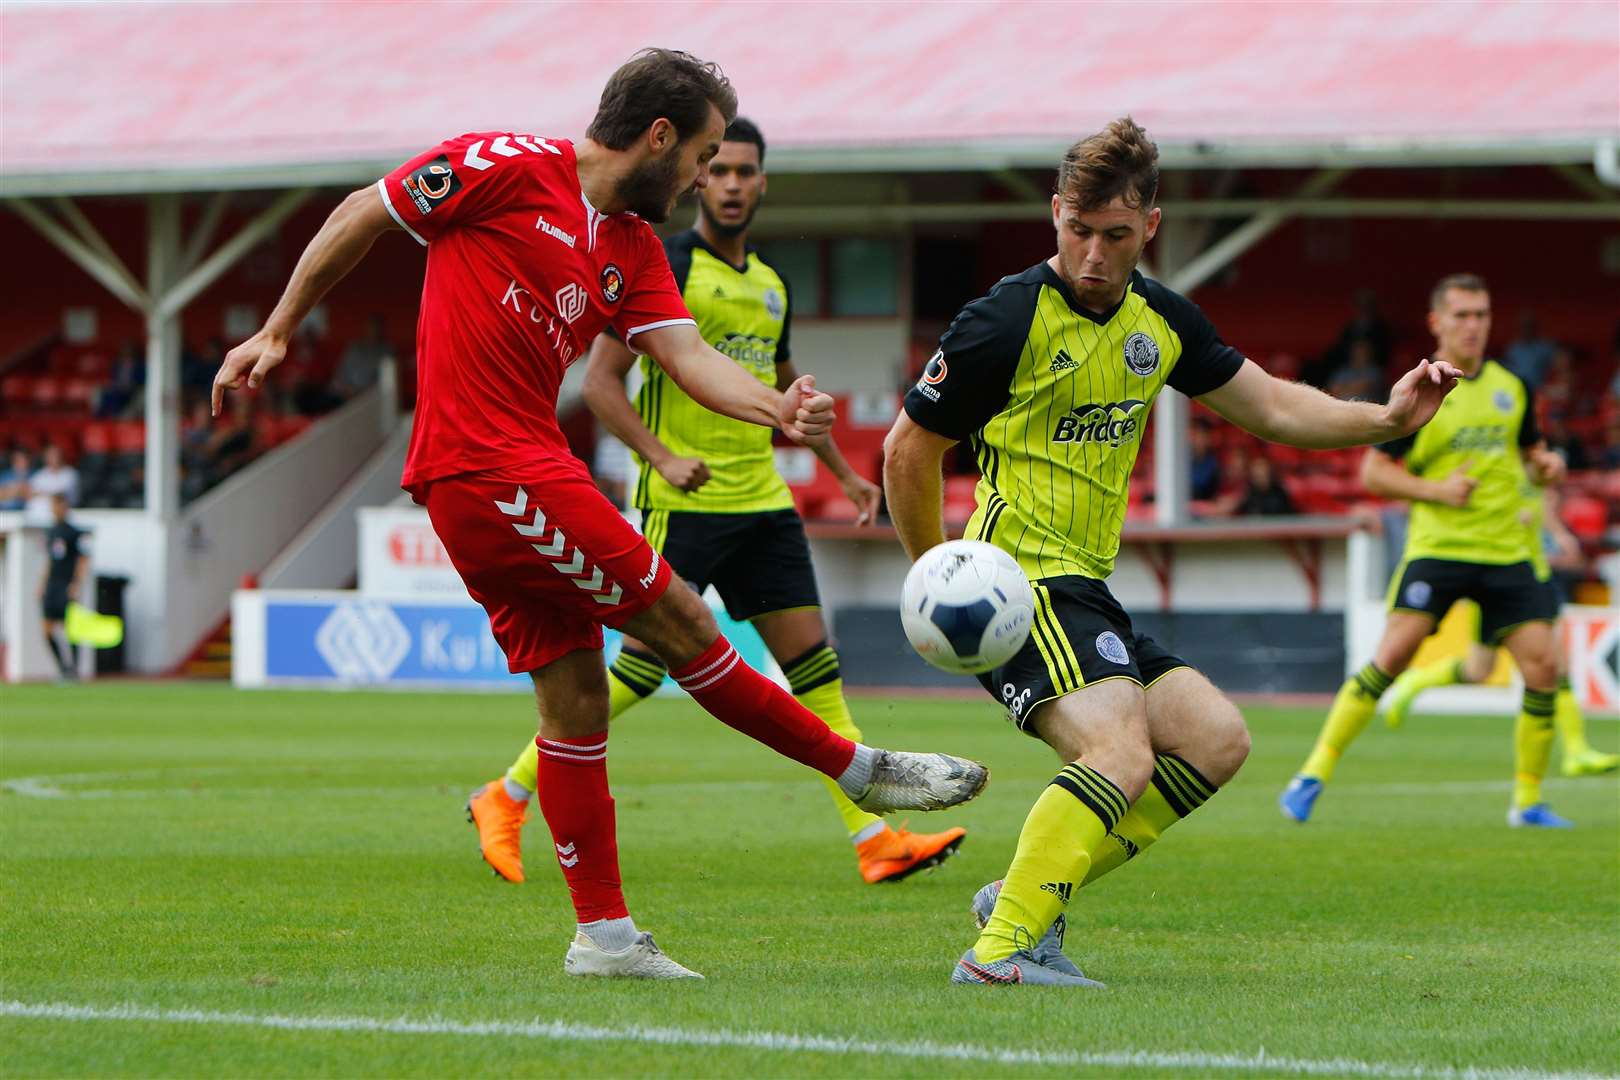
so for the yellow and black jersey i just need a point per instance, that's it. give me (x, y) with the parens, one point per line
(1482, 427)
(1055, 399)
(744, 312)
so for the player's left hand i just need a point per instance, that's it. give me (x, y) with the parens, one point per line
(864, 494)
(1547, 467)
(806, 414)
(1416, 398)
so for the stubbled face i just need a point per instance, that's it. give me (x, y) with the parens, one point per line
(1098, 249)
(736, 185)
(1461, 324)
(675, 168)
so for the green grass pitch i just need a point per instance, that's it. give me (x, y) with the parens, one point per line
(282, 884)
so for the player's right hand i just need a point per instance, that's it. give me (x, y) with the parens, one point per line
(806, 413)
(684, 473)
(1455, 489)
(249, 362)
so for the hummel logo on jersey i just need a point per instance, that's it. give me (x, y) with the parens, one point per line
(552, 231)
(1060, 889)
(1112, 424)
(1063, 361)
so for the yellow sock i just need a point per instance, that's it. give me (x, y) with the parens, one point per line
(816, 681)
(1414, 681)
(1532, 746)
(1570, 723)
(1176, 791)
(1354, 705)
(632, 677)
(1071, 819)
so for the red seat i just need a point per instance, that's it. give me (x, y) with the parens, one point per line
(78, 393)
(1586, 517)
(129, 437)
(47, 392)
(17, 389)
(98, 439)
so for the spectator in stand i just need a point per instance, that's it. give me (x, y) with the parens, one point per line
(1366, 325)
(1563, 441)
(1557, 390)
(1530, 354)
(197, 368)
(231, 441)
(14, 480)
(1266, 495)
(128, 376)
(1609, 458)
(308, 371)
(362, 360)
(1362, 376)
(56, 477)
(1205, 481)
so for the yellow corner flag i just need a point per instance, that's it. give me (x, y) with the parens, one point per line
(86, 627)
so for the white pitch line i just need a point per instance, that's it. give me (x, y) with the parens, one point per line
(566, 1031)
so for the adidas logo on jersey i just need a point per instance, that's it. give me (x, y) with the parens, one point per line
(1063, 361)
(1060, 889)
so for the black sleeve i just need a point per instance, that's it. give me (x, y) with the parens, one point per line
(1398, 448)
(678, 250)
(1529, 430)
(783, 353)
(970, 378)
(1207, 363)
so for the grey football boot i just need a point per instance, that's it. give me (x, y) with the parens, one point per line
(642, 959)
(1048, 952)
(902, 780)
(1018, 969)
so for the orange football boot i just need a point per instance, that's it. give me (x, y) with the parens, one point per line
(896, 854)
(500, 829)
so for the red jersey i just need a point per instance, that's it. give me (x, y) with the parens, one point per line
(522, 274)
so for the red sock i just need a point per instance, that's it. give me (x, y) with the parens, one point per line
(577, 807)
(740, 697)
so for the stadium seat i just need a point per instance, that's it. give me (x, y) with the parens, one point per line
(47, 392)
(1586, 517)
(17, 390)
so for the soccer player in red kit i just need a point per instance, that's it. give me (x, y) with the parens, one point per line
(536, 245)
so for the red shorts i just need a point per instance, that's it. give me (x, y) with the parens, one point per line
(546, 554)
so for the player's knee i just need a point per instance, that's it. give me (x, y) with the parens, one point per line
(1227, 743)
(678, 627)
(1540, 672)
(1127, 762)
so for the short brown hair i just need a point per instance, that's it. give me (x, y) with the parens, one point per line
(1460, 282)
(1120, 160)
(658, 83)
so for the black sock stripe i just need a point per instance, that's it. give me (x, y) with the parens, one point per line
(1161, 781)
(811, 668)
(1373, 679)
(639, 669)
(1539, 702)
(1089, 801)
(809, 654)
(1101, 787)
(1187, 798)
(799, 689)
(1563, 682)
(1183, 769)
(641, 685)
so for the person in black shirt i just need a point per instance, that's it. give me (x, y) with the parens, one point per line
(70, 558)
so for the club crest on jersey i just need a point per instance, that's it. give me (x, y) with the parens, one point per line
(1418, 593)
(774, 307)
(1110, 648)
(1141, 354)
(1503, 401)
(612, 283)
(429, 185)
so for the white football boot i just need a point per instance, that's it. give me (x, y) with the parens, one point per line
(641, 960)
(907, 781)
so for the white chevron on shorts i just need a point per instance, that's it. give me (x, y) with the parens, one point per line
(584, 576)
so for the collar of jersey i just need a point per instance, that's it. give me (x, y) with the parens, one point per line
(704, 245)
(1062, 287)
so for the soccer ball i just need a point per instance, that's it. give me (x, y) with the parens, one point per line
(966, 607)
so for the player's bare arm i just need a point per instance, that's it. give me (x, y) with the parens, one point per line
(857, 488)
(336, 249)
(914, 478)
(604, 392)
(1299, 415)
(1387, 478)
(712, 379)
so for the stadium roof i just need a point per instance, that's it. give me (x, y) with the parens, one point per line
(140, 97)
